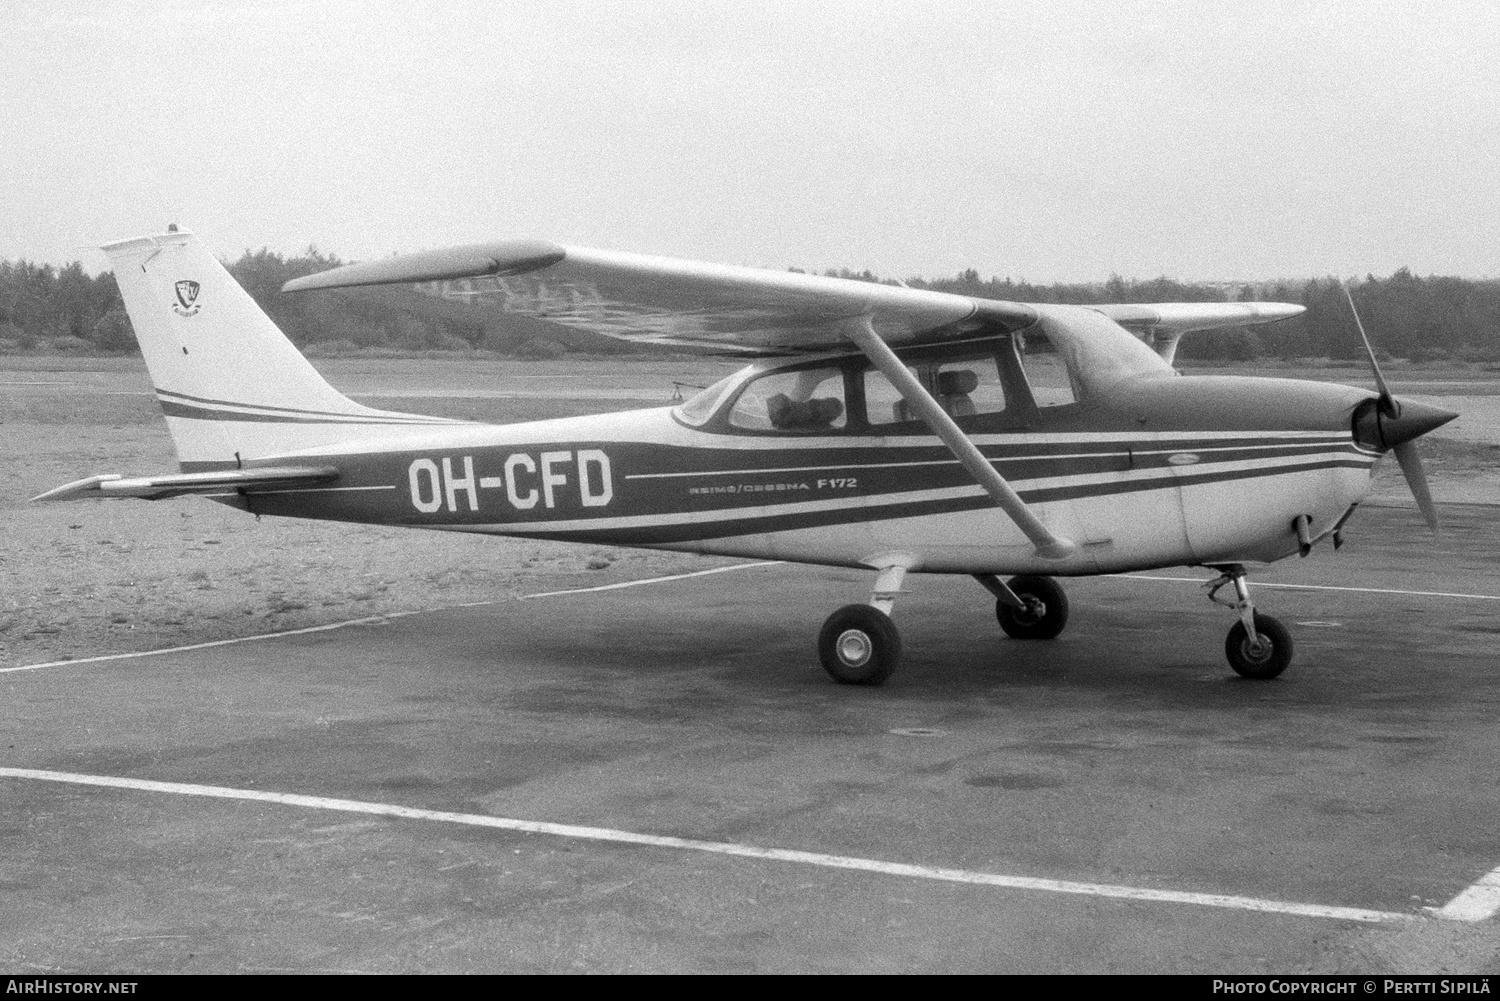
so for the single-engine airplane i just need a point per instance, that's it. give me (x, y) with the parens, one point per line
(895, 429)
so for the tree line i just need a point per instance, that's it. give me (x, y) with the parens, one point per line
(1420, 319)
(44, 308)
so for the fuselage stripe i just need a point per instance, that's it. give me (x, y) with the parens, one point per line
(1130, 454)
(182, 410)
(300, 411)
(687, 526)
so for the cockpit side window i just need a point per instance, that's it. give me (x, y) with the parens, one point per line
(883, 405)
(801, 401)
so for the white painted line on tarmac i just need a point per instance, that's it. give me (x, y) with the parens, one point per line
(370, 620)
(1479, 902)
(1314, 587)
(725, 848)
(367, 620)
(651, 580)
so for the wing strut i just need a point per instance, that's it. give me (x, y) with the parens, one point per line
(1048, 546)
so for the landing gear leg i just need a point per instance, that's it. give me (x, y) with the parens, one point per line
(859, 644)
(1258, 646)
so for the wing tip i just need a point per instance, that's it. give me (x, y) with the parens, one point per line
(479, 260)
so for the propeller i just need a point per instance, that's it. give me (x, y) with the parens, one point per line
(1397, 427)
(1388, 405)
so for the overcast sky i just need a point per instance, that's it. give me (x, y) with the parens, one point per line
(1053, 140)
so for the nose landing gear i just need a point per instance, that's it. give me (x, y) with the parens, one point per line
(1257, 646)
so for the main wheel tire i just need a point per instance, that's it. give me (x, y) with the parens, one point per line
(1265, 659)
(859, 645)
(1046, 616)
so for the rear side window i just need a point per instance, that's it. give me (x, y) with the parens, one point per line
(1051, 385)
(971, 386)
(962, 387)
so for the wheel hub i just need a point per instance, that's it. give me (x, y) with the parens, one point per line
(854, 647)
(1256, 648)
(1034, 612)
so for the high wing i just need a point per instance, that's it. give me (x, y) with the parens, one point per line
(661, 300)
(724, 308)
(177, 484)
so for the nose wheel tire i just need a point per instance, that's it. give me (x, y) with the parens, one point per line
(1046, 611)
(859, 645)
(1264, 657)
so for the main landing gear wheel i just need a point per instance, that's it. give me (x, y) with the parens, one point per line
(1263, 657)
(859, 645)
(1046, 611)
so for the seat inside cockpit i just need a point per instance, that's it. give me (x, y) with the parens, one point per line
(954, 387)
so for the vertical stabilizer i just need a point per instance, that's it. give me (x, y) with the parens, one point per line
(232, 386)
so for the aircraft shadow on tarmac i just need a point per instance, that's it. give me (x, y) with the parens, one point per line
(1126, 641)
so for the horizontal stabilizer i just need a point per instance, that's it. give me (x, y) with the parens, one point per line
(176, 484)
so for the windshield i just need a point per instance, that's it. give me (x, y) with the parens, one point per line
(701, 405)
(1097, 351)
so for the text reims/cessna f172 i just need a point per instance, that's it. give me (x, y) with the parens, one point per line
(896, 429)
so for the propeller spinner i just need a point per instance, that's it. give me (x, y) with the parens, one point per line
(1388, 424)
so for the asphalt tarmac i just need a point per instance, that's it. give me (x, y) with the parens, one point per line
(1112, 801)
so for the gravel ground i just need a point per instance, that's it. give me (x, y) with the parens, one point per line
(89, 577)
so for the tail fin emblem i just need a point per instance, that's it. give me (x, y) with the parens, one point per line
(187, 295)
